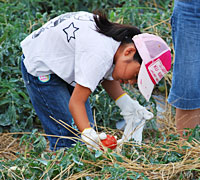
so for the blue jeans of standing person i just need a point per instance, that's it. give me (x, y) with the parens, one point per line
(185, 21)
(51, 98)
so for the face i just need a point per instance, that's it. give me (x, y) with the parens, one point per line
(126, 69)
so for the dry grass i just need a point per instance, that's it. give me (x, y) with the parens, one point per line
(9, 146)
(189, 161)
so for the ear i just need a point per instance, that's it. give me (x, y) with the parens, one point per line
(129, 50)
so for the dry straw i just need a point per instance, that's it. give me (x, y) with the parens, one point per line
(189, 161)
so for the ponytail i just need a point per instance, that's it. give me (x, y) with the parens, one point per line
(119, 32)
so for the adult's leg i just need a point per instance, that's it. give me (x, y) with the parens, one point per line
(186, 119)
(184, 93)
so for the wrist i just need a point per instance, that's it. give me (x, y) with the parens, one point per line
(123, 101)
(127, 105)
(86, 130)
(120, 96)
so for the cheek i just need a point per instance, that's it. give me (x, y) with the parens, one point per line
(125, 71)
(131, 72)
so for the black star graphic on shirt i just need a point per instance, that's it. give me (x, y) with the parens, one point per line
(70, 31)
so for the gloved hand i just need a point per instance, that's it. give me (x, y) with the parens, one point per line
(134, 115)
(91, 138)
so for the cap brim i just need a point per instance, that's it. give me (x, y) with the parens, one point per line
(145, 83)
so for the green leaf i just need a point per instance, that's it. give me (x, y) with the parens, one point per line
(145, 178)
(98, 153)
(76, 160)
(118, 158)
(40, 144)
(1, 129)
(4, 101)
(4, 120)
(43, 161)
(186, 147)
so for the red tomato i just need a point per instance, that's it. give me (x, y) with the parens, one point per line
(109, 142)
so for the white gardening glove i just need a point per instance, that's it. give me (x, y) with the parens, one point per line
(134, 115)
(91, 138)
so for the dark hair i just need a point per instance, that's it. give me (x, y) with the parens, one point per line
(120, 32)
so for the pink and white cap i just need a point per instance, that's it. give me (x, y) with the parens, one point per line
(156, 56)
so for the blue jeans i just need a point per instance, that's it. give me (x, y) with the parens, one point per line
(51, 99)
(185, 21)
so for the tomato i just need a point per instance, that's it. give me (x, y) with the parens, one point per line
(109, 142)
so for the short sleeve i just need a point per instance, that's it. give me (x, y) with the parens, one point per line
(94, 55)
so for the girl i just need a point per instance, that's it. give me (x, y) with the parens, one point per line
(65, 60)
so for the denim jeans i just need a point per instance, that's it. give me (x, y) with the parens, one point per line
(185, 21)
(51, 98)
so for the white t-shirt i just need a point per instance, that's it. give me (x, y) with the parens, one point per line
(70, 47)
